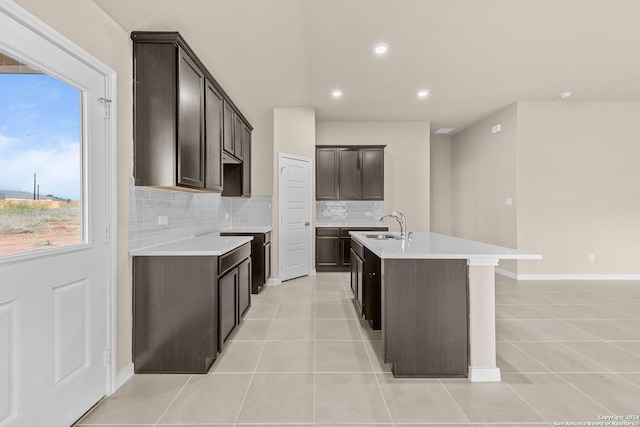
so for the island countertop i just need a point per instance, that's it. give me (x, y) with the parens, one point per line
(427, 245)
(206, 245)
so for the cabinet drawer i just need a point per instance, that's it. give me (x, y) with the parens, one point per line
(228, 260)
(327, 231)
(357, 248)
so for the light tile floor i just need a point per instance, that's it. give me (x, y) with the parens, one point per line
(568, 351)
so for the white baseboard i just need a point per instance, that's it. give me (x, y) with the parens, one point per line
(561, 277)
(481, 375)
(313, 272)
(124, 375)
(273, 281)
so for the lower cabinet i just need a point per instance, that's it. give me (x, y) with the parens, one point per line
(244, 287)
(185, 308)
(333, 246)
(227, 312)
(366, 270)
(260, 257)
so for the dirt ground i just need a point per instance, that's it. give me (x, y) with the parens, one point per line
(11, 244)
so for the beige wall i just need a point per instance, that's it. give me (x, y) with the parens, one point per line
(294, 132)
(406, 162)
(579, 187)
(483, 176)
(262, 154)
(99, 35)
(440, 184)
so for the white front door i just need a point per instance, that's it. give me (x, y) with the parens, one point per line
(295, 216)
(54, 251)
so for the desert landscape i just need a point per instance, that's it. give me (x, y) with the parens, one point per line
(33, 226)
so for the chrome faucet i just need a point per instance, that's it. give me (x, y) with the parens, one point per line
(398, 216)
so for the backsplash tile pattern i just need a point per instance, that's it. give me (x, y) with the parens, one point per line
(189, 214)
(252, 212)
(345, 212)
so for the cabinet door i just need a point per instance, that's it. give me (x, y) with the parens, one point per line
(327, 251)
(227, 305)
(372, 289)
(238, 135)
(327, 174)
(350, 175)
(190, 119)
(244, 287)
(361, 290)
(213, 138)
(228, 129)
(354, 272)
(373, 173)
(345, 243)
(246, 161)
(267, 261)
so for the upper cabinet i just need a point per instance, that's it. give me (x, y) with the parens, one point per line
(350, 172)
(184, 122)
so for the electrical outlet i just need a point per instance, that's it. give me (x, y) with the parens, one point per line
(163, 220)
(592, 258)
(367, 214)
(508, 201)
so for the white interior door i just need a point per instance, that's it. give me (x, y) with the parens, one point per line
(295, 216)
(54, 279)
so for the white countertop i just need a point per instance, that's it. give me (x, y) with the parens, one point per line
(343, 225)
(206, 245)
(262, 229)
(424, 245)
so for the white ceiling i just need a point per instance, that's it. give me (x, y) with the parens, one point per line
(475, 56)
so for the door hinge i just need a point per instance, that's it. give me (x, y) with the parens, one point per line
(107, 106)
(107, 235)
(107, 358)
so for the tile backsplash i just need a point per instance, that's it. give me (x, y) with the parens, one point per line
(348, 212)
(189, 214)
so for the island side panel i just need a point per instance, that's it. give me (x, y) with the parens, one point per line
(425, 316)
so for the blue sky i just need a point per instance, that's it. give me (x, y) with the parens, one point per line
(39, 133)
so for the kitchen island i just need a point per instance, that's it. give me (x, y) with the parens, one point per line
(436, 301)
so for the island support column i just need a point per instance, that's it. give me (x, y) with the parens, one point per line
(482, 320)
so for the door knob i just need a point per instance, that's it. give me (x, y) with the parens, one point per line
(307, 223)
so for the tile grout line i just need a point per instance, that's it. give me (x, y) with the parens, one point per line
(454, 400)
(253, 374)
(565, 381)
(173, 400)
(373, 369)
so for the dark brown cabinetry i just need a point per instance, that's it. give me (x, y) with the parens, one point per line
(366, 283)
(213, 138)
(327, 249)
(190, 125)
(333, 246)
(327, 174)
(260, 257)
(185, 308)
(426, 317)
(182, 118)
(237, 172)
(350, 173)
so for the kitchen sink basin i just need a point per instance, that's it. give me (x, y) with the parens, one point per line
(383, 236)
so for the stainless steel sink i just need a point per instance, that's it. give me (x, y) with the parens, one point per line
(383, 236)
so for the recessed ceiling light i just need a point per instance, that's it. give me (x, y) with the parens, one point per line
(445, 130)
(566, 95)
(336, 93)
(423, 93)
(380, 48)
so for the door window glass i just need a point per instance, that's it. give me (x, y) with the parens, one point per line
(40, 160)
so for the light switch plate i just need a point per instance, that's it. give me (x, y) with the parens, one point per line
(508, 201)
(163, 220)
